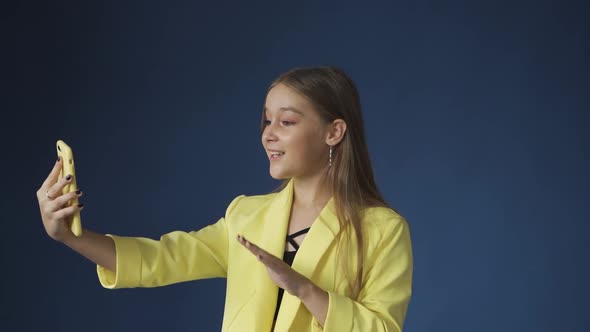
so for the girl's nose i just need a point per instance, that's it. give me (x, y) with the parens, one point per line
(268, 133)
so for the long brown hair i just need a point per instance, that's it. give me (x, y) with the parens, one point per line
(335, 96)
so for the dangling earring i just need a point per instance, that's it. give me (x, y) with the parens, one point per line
(330, 155)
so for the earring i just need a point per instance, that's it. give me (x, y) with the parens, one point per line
(330, 155)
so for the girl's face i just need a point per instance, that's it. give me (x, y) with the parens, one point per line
(294, 130)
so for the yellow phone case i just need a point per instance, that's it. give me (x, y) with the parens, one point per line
(67, 156)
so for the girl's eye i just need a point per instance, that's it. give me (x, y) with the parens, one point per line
(284, 123)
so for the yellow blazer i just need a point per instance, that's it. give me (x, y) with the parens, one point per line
(251, 295)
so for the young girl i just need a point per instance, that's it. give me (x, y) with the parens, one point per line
(323, 252)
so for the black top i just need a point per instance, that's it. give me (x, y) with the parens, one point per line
(288, 258)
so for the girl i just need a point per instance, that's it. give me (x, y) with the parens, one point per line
(322, 252)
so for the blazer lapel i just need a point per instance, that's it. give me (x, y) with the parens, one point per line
(320, 236)
(276, 221)
(271, 235)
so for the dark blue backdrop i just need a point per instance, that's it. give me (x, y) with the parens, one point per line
(476, 115)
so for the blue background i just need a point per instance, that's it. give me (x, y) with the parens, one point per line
(477, 123)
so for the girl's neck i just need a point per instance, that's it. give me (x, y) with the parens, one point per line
(310, 192)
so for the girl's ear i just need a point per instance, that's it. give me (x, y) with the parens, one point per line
(336, 131)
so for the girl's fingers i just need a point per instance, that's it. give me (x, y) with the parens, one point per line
(56, 190)
(259, 253)
(63, 213)
(62, 200)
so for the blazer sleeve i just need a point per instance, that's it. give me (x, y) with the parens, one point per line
(387, 288)
(177, 257)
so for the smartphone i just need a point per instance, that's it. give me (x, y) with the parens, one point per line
(67, 157)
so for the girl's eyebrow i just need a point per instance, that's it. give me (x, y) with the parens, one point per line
(289, 108)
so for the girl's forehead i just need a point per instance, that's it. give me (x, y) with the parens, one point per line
(282, 97)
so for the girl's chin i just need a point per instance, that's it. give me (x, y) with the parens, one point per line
(278, 174)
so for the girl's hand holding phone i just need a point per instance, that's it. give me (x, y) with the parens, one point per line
(55, 212)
